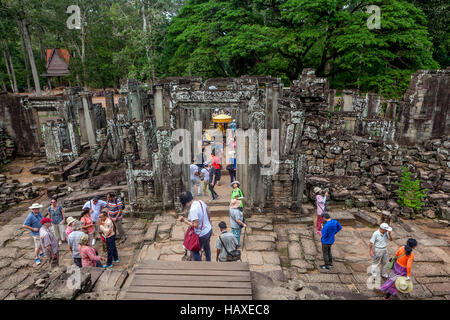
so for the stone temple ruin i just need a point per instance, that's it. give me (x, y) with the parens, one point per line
(356, 147)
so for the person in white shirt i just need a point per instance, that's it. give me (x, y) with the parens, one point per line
(199, 219)
(379, 251)
(95, 206)
(205, 177)
(195, 178)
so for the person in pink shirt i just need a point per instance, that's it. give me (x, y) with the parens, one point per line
(320, 203)
(88, 225)
(89, 258)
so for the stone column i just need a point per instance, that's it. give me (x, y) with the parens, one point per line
(347, 97)
(111, 112)
(373, 104)
(391, 110)
(159, 111)
(331, 95)
(276, 94)
(89, 117)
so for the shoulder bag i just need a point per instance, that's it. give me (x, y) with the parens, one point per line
(234, 255)
(191, 239)
(392, 261)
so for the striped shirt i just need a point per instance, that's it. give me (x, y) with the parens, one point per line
(114, 207)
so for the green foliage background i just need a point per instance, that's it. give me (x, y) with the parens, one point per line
(221, 38)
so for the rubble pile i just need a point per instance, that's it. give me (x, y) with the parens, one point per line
(13, 192)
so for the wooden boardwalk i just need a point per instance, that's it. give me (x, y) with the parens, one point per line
(190, 280)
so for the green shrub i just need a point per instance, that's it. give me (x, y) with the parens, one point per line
(410, 194)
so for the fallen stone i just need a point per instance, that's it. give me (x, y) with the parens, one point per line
(10, 282)
(111, 280)
(309, 248)
(321, 278)
(270, 258)
(151, 233)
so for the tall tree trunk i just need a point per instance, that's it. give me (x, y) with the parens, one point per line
(152, 53)
(83, 52)
(9, 72)
(27, 66)
(13, 73)
(37, 85)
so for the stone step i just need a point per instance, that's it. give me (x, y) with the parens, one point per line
(345, 218)
(219, 210)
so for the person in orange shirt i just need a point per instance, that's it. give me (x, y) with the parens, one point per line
(402, 267)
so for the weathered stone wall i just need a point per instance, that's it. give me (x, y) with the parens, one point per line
(20, 125)
(362, 171)
(425, 108)
(7, 147)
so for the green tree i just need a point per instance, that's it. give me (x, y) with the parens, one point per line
(280, 38)
(410, 194)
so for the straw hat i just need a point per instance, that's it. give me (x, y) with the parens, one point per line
(317, 189)
(35, 206)
(235, 203)
(69, 220)
(403, 285)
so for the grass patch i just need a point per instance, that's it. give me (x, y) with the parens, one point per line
(283, 251)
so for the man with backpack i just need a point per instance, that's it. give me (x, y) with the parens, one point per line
(226, 244)
(115, 208)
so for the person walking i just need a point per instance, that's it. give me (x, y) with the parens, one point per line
(33, 223)
(329, 230)
(205, 178)
(237, 193)
(74, 241)
(225, 243)
(115, 208)
(195, 178)
(95, 205)
(320, 203)
(107, 228)
(213, 181)
(402, 265)
(89, 257)
(378, 250)
(56, 213)
(199, 219)
(217, 165)
(48, 242)
(231, 171)
(236, 219)
(88, 226)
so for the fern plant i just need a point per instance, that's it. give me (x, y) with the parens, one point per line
(410, 194)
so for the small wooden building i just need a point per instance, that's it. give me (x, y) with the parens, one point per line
(57, 64)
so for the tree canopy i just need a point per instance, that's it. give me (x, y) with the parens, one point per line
(150, 39)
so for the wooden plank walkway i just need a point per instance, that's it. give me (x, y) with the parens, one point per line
(190, 280)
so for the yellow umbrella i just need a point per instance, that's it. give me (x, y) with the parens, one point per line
(222, 118)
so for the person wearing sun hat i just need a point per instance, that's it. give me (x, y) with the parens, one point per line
(237, 193)
(69, 222)
(401, 267)
(379, 251)
(236, 218)
(33, 223)
(48, 242)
